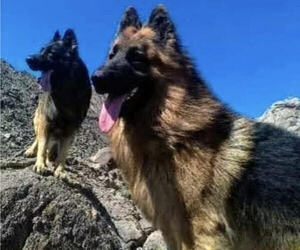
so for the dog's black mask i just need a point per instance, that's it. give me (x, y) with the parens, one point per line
(126, 70)
(58, 54)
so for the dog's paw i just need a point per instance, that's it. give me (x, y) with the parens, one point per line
(68, 177)
(40, 168)
(30, 152)
(60, 173)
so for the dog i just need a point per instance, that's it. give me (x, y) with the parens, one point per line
(205, 176)
(63, 104)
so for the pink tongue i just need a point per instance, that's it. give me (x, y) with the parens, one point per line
(110, 112)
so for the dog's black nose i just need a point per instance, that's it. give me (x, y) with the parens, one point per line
(97, 76)
(29, 59)
(94, 78)
(35, 63)
(99, 81)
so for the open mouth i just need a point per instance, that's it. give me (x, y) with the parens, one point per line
(45, 80)
(111, 109)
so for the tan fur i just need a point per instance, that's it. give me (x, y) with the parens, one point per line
(45, 141)
(129, 32)
(144, 32)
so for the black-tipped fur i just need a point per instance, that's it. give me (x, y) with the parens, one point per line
(164, 27)
(130, 18)
(56, 36)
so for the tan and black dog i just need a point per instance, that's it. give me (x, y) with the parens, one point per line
(205, 176)
(63, 104)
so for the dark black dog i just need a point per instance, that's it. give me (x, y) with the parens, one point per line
(64, 102)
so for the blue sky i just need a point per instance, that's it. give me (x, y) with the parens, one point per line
(248, 51)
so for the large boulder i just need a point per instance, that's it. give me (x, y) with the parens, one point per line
(44, 213)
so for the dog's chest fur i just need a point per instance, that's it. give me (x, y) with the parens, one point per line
(149, 171)
(178, 190)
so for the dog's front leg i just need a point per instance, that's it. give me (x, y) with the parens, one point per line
(42, 141)
(62, 155)
(32, 150)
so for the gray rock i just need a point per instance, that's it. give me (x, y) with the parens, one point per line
(45, 213)
(155, 241)
(284, 114)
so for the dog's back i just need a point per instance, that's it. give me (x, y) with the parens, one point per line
(265, 201)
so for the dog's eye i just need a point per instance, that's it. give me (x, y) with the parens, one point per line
(136, 55)
(113, 52)
(53, 56)
(137, 59)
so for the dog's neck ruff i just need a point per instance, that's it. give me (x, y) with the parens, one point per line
(45, 81)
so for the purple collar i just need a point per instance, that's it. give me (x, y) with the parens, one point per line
(45, 81)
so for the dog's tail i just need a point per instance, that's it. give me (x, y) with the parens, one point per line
(53, 148)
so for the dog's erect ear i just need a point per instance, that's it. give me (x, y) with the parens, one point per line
(70, 38)
(163, 26)
(130, 18)
(56, 36)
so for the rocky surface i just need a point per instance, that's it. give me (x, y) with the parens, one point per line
(90, 210)
(44, 213)
(284, 114)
